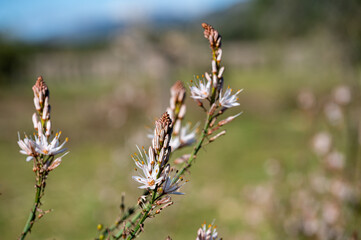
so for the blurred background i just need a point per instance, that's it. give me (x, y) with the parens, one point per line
(288, 168)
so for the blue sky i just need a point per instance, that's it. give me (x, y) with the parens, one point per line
(40, 18)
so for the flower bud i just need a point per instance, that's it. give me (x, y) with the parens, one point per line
(219, 56)
(208, 77)
(213, 108)
(220, 73)
(215, 80)
(228, 120)
(151, 154)
(37, 103)
(182, 111)
(46, 109)
(36, 120)
(48, 128)
(177, 127)
(182, 159)
(214, 66)
(217, 136)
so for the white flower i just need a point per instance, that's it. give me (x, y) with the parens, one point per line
(172, 188)
(207, 233)
(186, 137)
(46, 148)
(150, 168)
(201, 90)
(28, 147)
(228, 100)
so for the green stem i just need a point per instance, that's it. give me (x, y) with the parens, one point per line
(110, 229)
(188, 164)
(209, 118)
(31, 220)
(129, 224)
(183, 169)
(142, 215)
(133, 234)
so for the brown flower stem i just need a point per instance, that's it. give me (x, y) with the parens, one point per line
(31, 220)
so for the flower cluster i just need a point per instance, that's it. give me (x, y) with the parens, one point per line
(154, 164)
(210, 87)
(42, 145)
(42, 149)
(182, 135)
(156, 174)
(207, 233)
(150, 169)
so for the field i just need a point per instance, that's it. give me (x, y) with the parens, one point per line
(105, 120)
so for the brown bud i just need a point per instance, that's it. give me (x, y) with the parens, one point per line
(40, 89)
(212, 35)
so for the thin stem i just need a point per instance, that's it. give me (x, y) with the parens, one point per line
(129, 224)
(142, 215)
(188, 164)
(183, 169)
(31, 220)
(110, 229)
(209, 118)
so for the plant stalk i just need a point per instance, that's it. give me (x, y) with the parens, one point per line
(31, 219)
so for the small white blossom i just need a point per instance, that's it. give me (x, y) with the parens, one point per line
(228, 100)
(201, 90)
(46, 148)
(28, 147)
(209, 233)
(186, 137)
(150, 169)
(172, 188)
